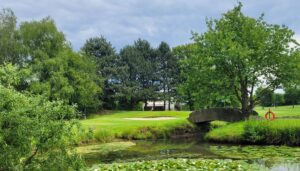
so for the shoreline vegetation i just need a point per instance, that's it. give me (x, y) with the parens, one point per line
(276, 132)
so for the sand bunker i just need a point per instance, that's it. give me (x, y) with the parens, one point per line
(151, 119)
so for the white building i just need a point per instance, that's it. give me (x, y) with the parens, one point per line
(159, 105)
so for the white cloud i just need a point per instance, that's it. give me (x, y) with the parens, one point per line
(122, 22)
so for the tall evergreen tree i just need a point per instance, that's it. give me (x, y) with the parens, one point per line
(139, 81)
(168, 69)
(105, 56)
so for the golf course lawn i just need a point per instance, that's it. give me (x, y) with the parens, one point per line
(276, 132)
(164, 124)
(280, 111)
(138, 124)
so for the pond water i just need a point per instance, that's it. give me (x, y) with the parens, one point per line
(275, 158)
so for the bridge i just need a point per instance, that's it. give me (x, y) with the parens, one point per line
(221, 114)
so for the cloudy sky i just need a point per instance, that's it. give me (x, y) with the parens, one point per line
(123, 21)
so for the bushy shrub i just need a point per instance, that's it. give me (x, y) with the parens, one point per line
(35, 133)
(255, 131)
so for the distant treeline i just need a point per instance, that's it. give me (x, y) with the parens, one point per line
(97, 77)
(222, 67)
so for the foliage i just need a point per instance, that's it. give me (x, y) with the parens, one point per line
(265, 96)
(138, 79)
(167, 71)
(11, 48)
(12, 76)
(34, 133)
(276, 132)
(138, 74)
(57, 71)
(107, 67)
(238, 53)
(292, 96)
(180, 164)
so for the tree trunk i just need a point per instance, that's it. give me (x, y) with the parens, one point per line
(146, 105)
(169, 105)
(190, 102)
(293, 105)
(132, 103)
(164, 92)
(246, 107)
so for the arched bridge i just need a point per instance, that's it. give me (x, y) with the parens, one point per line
(222, 114)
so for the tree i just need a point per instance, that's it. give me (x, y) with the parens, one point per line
(184, 53)
(138, 80)
(10, 42)
(265, 97)
(106, 58)
(239, 53)
(34, 134)
(292, 96)
(168, 72)
(56, 71)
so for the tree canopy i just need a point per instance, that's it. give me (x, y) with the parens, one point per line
(238, 53)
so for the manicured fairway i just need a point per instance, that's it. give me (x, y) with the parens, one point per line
(161, 124)
(281, 111)
(119, 125)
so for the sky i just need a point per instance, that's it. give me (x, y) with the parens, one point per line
(123, 21)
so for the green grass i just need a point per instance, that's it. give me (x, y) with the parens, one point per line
(114, 125)
(228, 133)
(279, 131)
(280, 111)
(107, 127)
(180, 164)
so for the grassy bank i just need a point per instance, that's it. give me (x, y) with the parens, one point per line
(279, 131)
(180, 164)
(105, 128)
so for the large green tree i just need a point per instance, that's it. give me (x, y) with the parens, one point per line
(168, 73)
(57, 71)
(10, 40)
(106, 59)
(138, 80)
(239, 53)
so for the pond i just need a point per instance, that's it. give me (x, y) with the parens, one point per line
(275, 158)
